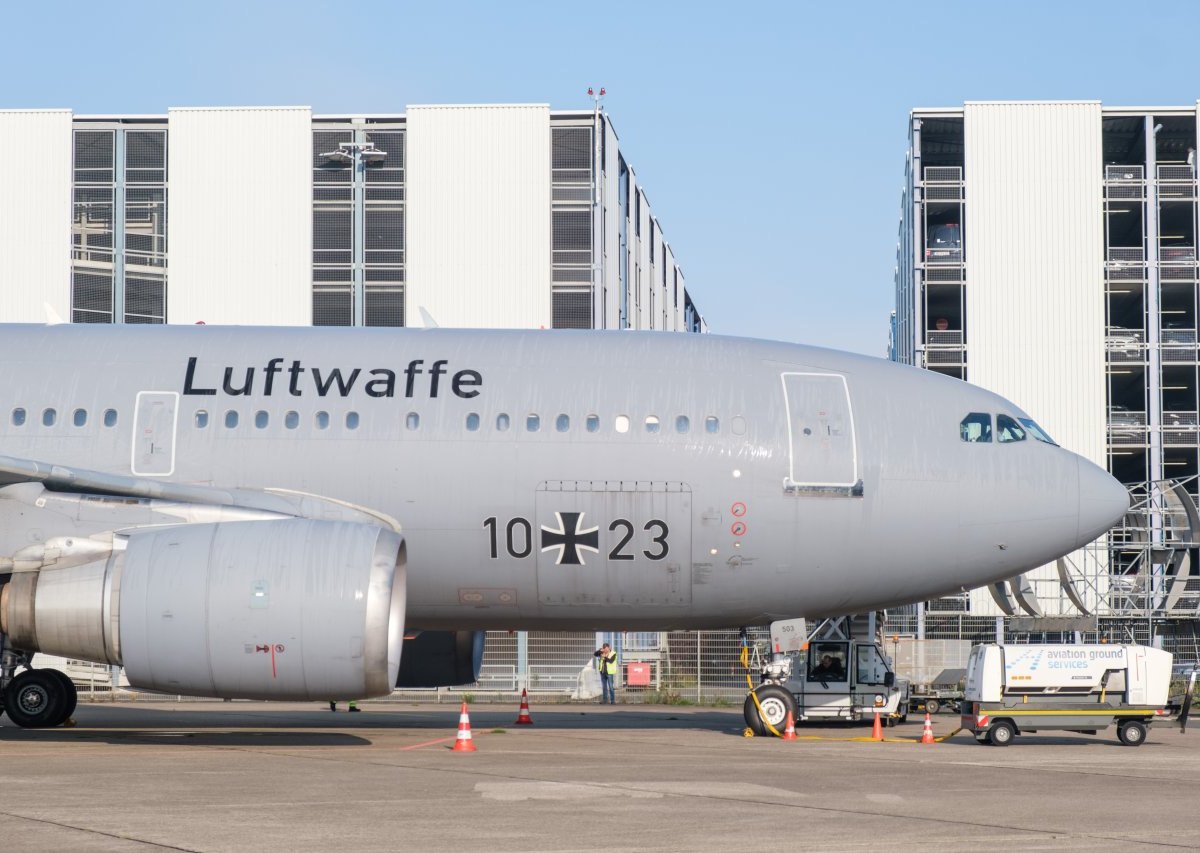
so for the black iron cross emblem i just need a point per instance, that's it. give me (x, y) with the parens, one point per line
(570, 539)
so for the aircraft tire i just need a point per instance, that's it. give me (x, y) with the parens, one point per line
(70, 696)
(34, 699)
(776, 702)
(753, 721)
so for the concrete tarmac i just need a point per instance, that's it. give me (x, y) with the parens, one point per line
(295, 777)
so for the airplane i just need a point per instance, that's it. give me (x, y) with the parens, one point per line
(325, 513)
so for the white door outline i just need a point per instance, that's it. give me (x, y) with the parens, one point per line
(153, 439)
(792, 481)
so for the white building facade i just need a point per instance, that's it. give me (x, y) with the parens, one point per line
(508, 216)
(1047, 251)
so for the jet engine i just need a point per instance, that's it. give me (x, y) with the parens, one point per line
(287, 609)
(441, 659)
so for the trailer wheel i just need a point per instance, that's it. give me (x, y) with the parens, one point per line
(932, 706)
(1132, 733)
(776, 702)
(1002, 733)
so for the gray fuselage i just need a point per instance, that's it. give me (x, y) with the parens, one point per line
(695, 481)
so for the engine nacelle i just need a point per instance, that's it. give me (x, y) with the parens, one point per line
(287, 609)
(441, 659)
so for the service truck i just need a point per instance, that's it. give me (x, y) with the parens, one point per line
(826, 679)
(1012, 690)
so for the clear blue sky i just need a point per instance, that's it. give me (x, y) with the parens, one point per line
(770, 137)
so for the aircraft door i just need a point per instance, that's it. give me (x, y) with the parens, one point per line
(605, 543)
(154, 434)
(823, 454)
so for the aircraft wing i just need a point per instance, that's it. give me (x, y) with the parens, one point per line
(273, 502)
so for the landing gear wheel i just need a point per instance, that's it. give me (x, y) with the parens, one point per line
(70, 696)
(1002, 733)
(34, 699)
(932, 706)
(1132, 733)
(776, 702)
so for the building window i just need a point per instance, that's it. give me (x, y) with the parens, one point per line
(358, 225)
(119, 225)
(571, 177)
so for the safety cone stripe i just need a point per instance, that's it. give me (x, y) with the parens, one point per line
(523, 718)
(789, 730)
(463, 742)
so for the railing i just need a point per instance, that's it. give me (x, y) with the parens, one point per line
(1176, 182)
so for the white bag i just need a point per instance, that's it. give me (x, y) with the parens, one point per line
(587, 683)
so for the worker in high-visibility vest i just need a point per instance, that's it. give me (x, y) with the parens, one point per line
(606, 662)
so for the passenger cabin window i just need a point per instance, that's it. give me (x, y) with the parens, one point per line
(682, 424)
(412, 421)
(291, 420)
(472, 422)
(827, 662)
(49, 417)
(261, 419)
(532, 423)
(231, 419)
(652, 424)
(18, 417)
(110, 418)
(1036, 431)
(503, 422)
(562, 423)
(322, 420)
(622, 423)
(739, 425)
(1007, 429)
(593, 423)
(351, 420)
(201, 419)
(976, 428)
(712, 425)
(79, 417)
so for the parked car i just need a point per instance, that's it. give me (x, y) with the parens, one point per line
(943, 243)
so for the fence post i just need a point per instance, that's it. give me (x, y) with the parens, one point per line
(699, 668)
(522, 660)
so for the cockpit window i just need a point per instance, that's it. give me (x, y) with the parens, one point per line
(976, 427)
(1007, 429)
(1036, 431)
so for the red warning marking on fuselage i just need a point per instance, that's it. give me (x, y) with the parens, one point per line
(738, 528)
(738, 509)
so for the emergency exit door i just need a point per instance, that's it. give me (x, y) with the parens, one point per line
(823, 454)
(154, 433)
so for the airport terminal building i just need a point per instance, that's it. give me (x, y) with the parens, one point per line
(1047, 252)
(511, 216)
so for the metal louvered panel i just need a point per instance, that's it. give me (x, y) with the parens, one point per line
(935, 192)
(240, 214)
(145, 299)
(35, 214)
(384, 305)
(91, 297)
(332, 306)
(943, 174)
(572, 309)
(1027, 254)
(942, 274)
(478, 229)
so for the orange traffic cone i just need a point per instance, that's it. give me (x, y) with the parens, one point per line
(523, 718)
(927, 734)
(789, 730)
(463, 742)
(877, 729)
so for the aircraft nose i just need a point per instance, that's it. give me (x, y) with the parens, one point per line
(1103, 501)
